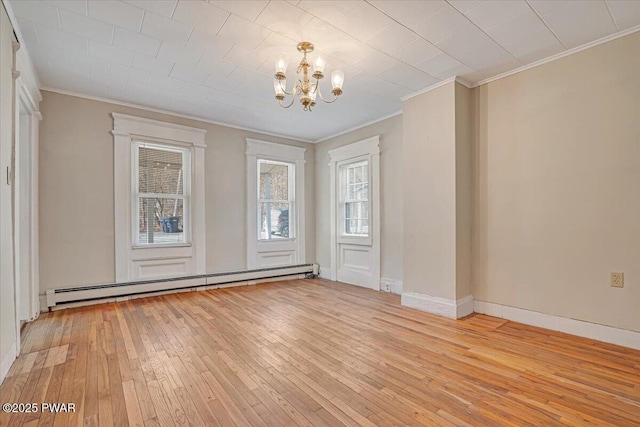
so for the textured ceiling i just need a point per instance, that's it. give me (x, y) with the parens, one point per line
(215, 60)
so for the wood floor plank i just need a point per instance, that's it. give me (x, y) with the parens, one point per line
(314, 353)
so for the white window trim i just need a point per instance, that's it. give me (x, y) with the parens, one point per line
(367, 149)
(255, 150)
(130, 259)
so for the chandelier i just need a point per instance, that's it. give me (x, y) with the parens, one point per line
(306, 88)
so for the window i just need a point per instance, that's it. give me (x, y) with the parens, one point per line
(159, 206)
(354, 198)
(275, 204)
(275, 199)
(162, 193)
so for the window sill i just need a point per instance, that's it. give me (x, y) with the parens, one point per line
(161, 245)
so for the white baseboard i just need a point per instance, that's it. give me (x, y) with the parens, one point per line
(7, 361)
(325, 272)
(394, 286)
(580, 328)
(441, 306)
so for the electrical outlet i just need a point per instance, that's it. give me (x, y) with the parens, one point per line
(617, 280)
(386, 287)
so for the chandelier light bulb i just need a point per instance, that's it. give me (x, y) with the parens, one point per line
(281, 64)
(318, 65)
(337, 79)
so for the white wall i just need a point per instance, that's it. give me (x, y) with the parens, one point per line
(7, 292)
(557, 187)
(391, 226)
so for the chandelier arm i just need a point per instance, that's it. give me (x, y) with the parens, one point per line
(293, 98)
(293, 90)
(320, 95)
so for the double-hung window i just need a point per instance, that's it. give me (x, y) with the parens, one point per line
(159, 192)
(161, 196)
(354, 199)
(276, 205)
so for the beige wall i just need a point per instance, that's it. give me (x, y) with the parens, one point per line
(429, 177)
(390, 131)
(76, 191)
(464, 215)
(557, 183)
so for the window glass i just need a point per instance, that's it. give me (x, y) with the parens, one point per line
(355, 198)
(274, 205)
(162, 194)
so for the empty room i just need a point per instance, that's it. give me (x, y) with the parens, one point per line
(320, 213)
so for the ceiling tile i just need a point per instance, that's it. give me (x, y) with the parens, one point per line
(164, 81)
(247, 9)
(37, 12)
(465, 5)
(488, 55)
(392, 38)
(138, 43)
(48, 53)
(626, 13)
(28, 30)
(336, 13)
(189, 73)
(84, 62)
(110, 53)
(468, 38)
(438, 64)
(216, 66)
(459, 71)
(123, 73)
(490, 13)
(70, 42)
(518, 27)
(284, 18)
(375, 63)
(245, 56)
(208, 44)
(193, 91)
(407, 76)
(416, 51)
(239, 30)
(365, 22)
(534, 46)
(206, 17)
(409, 12)
(86, 27)
(162, 28)
(441, 24)
(75, 6)
(120, 14)
(567, 20)
(159, 7)
(176, 52)
(154, 65)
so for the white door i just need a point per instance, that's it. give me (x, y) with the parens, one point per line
(355, 213)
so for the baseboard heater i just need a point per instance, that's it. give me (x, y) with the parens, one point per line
(115, 290)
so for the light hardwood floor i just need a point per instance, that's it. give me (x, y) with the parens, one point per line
(314, 353)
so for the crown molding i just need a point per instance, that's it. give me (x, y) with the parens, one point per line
(335, 135)
(439, 84)
(170, 113)
(560, 55)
